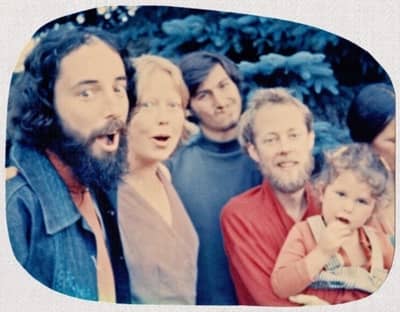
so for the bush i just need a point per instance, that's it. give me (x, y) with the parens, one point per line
(322, 69)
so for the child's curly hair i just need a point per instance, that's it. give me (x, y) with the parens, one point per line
(361, 159)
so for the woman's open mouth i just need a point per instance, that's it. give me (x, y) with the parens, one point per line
(161, 140)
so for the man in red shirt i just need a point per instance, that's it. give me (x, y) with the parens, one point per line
(277, 132)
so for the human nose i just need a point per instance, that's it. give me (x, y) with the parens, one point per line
(162, 114)
(348, 205)
(284, 144)
(115, 104)
(219, 99)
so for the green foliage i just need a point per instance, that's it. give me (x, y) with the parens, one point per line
(306, 74)
(322, 69)
(328, 137)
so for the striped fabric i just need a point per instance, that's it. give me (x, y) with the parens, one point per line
(337, 274)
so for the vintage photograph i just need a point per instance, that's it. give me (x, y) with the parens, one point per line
(160, 155)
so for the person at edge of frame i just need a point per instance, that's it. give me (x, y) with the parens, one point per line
(371, 119)
(337, 256)
(67, 121)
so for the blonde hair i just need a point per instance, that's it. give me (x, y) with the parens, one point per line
(146, 65)
(361, 159)
(268, 96)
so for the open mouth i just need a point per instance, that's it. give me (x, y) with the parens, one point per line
(343, 220)
(161, 138)
(108, 138)
(286, 164)
(109, 141)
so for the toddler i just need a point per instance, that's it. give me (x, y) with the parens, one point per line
(336, 256)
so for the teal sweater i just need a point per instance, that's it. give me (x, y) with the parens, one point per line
(206, 175)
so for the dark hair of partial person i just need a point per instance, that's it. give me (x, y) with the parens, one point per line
(370, 112)
(196, 66)
(32, 116)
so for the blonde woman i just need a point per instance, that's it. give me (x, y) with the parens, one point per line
(160, 243)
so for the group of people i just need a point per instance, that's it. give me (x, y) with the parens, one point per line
(113, 200)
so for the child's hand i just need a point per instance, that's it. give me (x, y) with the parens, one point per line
(333, 236)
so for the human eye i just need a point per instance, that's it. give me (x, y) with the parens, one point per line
(173, 105)
(201, 95)
(224, 84)
(362, 201)
(269, 140)
(120, 88)
(146, 105)
(86, 93)
(340, 193)
(295, 135)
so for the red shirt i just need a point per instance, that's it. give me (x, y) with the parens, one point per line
(254, 227)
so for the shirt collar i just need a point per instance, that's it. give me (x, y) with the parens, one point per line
(313, 205)
(65, 172)
(57, 207)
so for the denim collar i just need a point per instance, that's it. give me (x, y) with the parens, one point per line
(58, 209)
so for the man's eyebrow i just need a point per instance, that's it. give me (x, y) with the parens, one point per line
(85, 82)
(270, 133)
(202, 91)
(293, 129)
(224, 79)
(121, 78)
(94, 81)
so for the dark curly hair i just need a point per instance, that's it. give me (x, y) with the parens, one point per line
(32, 118)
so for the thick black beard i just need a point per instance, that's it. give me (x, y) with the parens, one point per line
(91, 171)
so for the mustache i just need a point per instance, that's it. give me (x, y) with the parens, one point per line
(111, 127)
(75, 151)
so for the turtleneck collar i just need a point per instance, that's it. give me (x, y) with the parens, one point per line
(218, 147)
